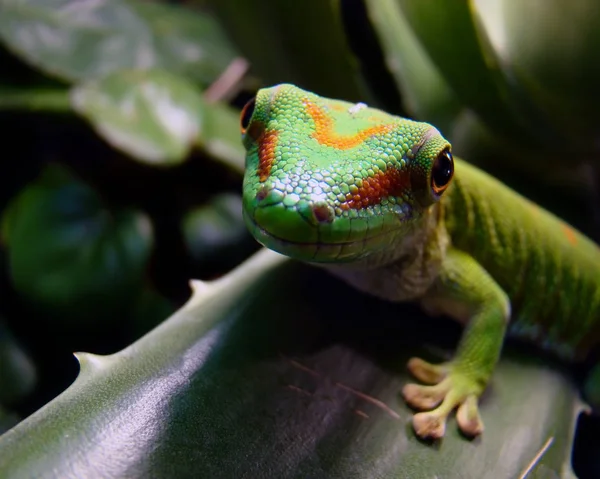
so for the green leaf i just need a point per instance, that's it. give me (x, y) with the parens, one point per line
(425, 93)
(152, 115)
(274, 372)
(70, 255)
(547, 47)
(34, 99)
(456, 41)
(216, 232)
(188, 42)
(297, 42)
(221, 137)
(218, 133)
(17, 371)
(84, 40)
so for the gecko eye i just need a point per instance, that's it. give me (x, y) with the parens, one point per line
(246, 114)
(442, 172)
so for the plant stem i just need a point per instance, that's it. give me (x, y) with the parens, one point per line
(36, 100)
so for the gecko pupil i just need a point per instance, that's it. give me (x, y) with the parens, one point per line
(442, 171)
(247, 113)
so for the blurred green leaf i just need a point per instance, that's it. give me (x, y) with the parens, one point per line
(216, 232)
(70, 255)
(261, 374)
(297, 42)
(456, 41)
(425, 93)
(221, 138)
(188, 42)
(546, 48)
(218, 132)
(84, 40)
(34, 99)
(154, 116)
(17, 371)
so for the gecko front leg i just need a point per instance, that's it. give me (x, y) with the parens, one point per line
(465, 291)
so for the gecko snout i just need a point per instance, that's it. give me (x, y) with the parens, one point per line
(313, 210)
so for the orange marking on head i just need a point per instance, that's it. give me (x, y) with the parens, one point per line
(570, 234)
(325, 134)
(391, 182)
(267, 142)
(338, 107)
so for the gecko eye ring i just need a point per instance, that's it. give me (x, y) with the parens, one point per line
(442, 171)
(247, 113)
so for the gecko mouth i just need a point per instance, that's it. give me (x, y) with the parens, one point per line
(320, 251)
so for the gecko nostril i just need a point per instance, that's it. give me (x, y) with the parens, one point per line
(323, 213)
(261, 194)
(267, 195)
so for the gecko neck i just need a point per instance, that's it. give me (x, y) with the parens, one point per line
(408, 269)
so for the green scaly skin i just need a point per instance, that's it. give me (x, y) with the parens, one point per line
(371, 197)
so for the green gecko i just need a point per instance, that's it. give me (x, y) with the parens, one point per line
(380, 201)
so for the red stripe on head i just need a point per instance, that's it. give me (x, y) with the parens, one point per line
(267, 143)
(392, 182)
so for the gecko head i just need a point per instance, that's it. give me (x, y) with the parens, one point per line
(331, 181)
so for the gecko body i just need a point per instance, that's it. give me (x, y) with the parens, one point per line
(381, 202)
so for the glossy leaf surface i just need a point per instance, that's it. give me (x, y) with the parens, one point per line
(259, 375)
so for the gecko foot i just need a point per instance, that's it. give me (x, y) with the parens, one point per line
(453, 390)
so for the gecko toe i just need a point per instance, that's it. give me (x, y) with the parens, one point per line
(427, 372)
(423, 397)
(468, 417)
(429, 425)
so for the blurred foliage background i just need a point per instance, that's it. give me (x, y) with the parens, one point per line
(122, 163)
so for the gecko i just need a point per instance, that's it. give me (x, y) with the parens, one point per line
(381, 202)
